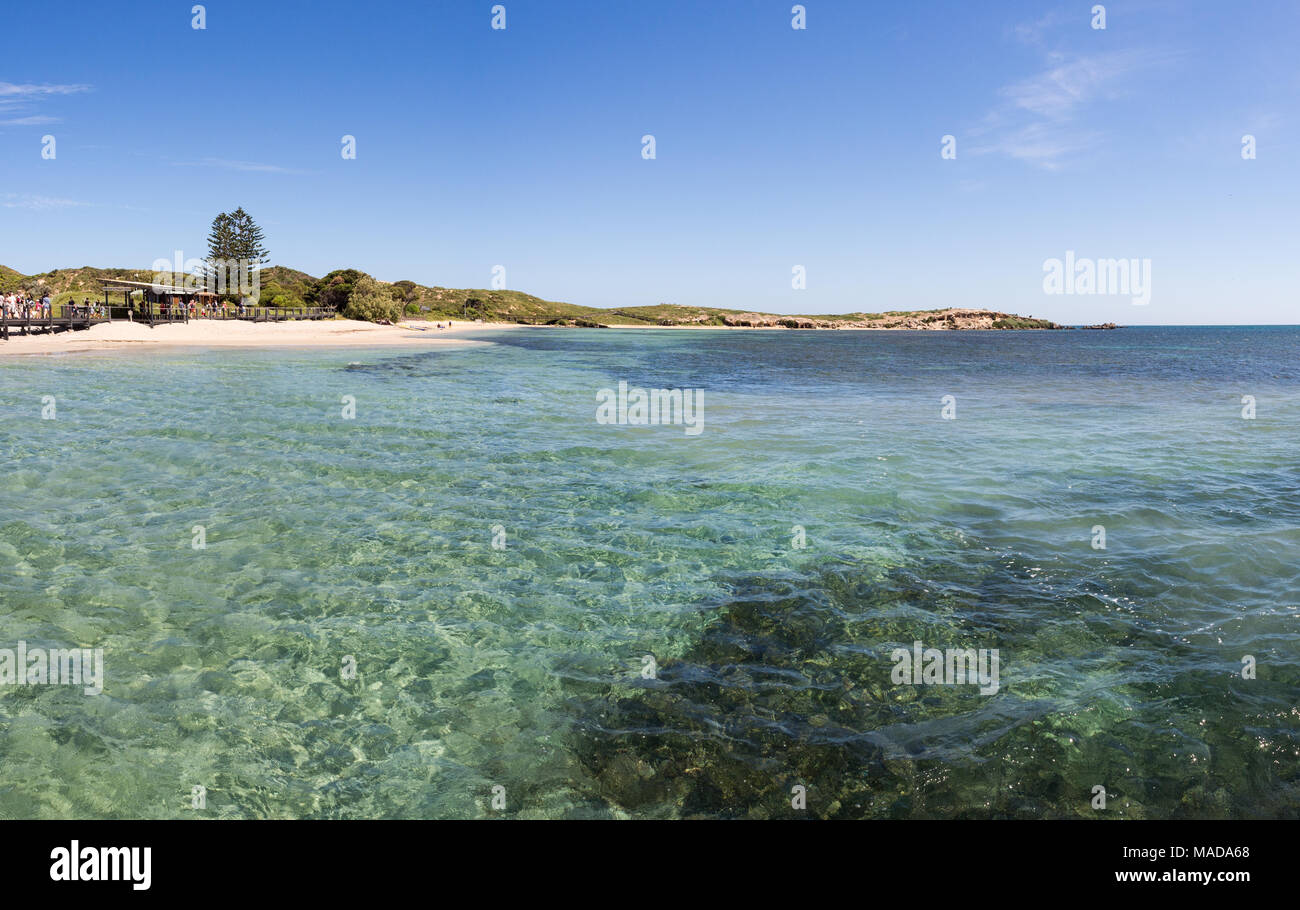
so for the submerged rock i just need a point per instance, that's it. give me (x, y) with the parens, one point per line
(754, 710)
(789, 687)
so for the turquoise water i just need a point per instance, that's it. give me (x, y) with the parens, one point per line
(521, 667)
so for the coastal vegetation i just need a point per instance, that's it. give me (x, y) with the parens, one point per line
(370, 301)
(236, 236)
(1021, 322)
(391, 301)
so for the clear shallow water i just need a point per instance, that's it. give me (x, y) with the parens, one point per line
(522, 667)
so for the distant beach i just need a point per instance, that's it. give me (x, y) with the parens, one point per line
(204, 333)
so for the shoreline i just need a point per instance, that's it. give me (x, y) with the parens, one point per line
(336, 333)
(785, 328)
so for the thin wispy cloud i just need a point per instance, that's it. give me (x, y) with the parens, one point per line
(20, 98)
(246, 166)
(12, 90)
(1044, 145)
(1057, 91)
(34, 120)
(1042, 119)
(1034, 33)
(38, 203)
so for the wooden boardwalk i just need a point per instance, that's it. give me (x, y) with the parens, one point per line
(75, 319)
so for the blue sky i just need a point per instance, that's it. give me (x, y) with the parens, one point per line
(775, 147)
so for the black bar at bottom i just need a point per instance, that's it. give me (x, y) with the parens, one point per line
(923, 860)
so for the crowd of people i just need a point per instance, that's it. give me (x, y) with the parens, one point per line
(86, 309)
(24, 306)
(209, 309)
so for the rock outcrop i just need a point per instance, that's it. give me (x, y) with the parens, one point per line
(934, 320)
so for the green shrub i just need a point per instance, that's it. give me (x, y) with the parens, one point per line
(335, 289)
(372, 302)
(1021, 322)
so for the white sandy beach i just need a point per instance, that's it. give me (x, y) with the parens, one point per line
(327, 333)
(202, 333)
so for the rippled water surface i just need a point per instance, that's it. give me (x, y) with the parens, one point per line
(522, 667)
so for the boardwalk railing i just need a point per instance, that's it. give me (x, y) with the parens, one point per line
(70, 317)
